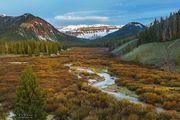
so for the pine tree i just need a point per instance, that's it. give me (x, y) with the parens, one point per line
(37, 50)
(29, 51)
(30, 100)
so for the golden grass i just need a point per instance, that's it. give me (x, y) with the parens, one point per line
(57, 81)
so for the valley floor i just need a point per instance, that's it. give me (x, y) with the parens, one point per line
(80, 82)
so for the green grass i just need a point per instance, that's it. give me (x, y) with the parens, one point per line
(122, 90)
(99, 70)
(125, 48)
(155, 53)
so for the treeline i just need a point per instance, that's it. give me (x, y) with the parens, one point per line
(31, 47)
(162, 30)
(110, 43)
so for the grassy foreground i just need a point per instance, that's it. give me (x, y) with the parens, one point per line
(71, 98)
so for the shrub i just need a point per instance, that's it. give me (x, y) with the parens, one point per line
(169, 115)
(151, 98)
(133, 117)
(172, 105)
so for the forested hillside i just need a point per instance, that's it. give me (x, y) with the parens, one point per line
(162, 30)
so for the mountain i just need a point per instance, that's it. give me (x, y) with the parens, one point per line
(29, 27)
(89, 31)
(131, 29)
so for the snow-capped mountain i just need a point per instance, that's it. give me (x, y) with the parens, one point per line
(89, 31)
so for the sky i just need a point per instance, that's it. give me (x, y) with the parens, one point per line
(74, 12)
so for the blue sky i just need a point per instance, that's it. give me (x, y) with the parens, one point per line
(115, 12)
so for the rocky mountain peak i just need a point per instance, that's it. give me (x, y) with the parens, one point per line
(28, 26)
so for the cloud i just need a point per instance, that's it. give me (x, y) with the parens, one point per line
(99, 16)
(81, 18)
(83, 13)
(96, 13)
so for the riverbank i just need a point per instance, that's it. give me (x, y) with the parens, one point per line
(106, 84)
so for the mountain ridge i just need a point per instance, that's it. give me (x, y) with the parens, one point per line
(130, 29)
(28, 26)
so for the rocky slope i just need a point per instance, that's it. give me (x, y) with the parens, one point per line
(29, 27)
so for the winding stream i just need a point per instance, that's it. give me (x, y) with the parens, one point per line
(108, 80)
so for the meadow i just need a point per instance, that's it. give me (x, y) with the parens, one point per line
(71, 98)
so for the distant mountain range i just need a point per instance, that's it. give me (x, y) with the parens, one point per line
(89, 31)
(130, 29)
(29, 27)
(92, 32)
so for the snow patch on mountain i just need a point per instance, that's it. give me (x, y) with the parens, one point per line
(95, 34)
(3, 15)
(137, 24)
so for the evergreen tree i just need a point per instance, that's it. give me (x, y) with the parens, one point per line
(30, 100)
(29, 51)
(37, 50)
